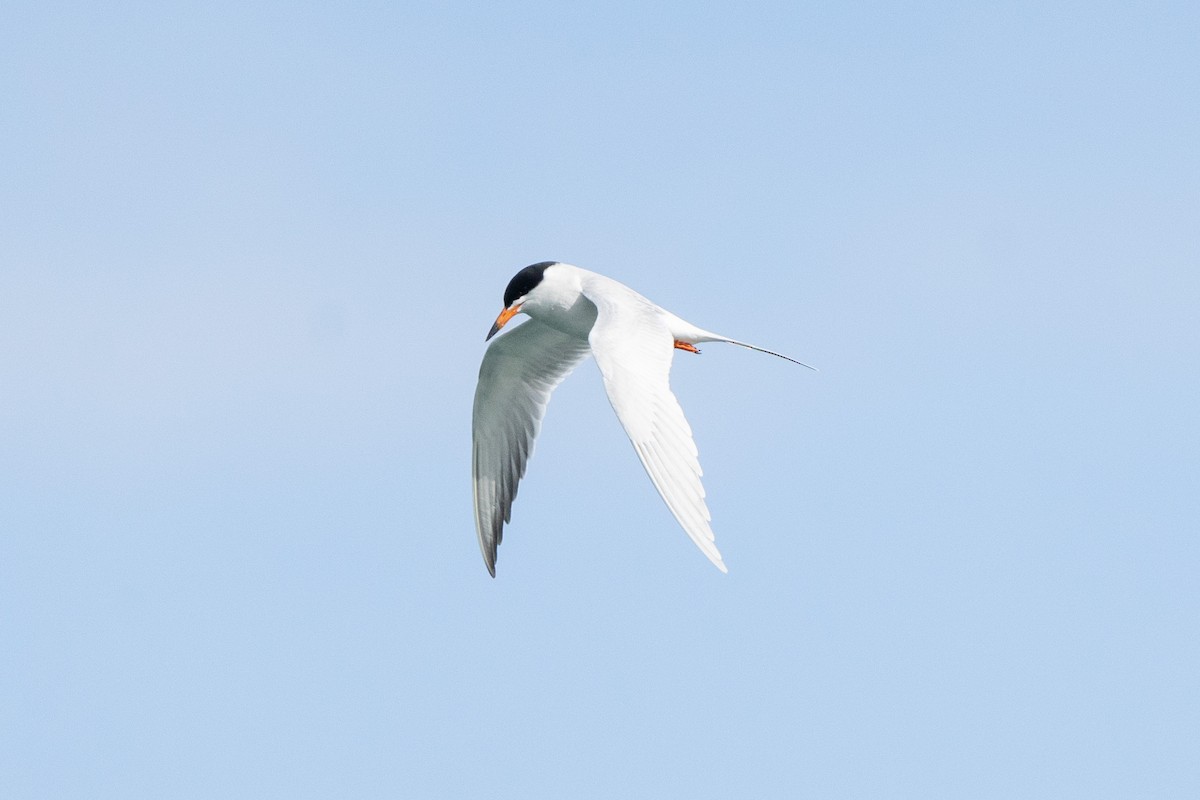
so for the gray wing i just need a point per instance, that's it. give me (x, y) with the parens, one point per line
(519, 372)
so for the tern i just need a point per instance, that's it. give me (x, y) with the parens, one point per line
(573, 312)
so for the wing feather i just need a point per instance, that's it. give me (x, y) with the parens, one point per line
(633, 346)
(520, 371)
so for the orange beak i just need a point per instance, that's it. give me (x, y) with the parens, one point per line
(503, 319)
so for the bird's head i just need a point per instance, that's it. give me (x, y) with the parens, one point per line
(517, 291)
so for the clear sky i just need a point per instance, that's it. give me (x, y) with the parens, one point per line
(248, 256)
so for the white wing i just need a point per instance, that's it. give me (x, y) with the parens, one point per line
(519, 372)
(633, 347)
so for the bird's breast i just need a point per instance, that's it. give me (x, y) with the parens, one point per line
(572, 315)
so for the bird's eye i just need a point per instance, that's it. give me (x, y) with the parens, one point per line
(524, 282)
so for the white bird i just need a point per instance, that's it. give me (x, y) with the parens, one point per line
(573, 312)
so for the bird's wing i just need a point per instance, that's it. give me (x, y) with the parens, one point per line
(519, 372)
(633, 347)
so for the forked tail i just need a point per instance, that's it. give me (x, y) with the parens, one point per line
(768, 352)
(686, 333)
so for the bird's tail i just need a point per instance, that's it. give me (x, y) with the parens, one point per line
(762, 350)
(684, 331)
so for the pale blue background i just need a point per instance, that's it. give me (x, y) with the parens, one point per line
(248, 255)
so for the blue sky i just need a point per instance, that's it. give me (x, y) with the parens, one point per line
(248, 256)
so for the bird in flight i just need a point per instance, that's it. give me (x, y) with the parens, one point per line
(574, 312)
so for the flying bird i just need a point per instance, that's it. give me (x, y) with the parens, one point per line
(574, 312)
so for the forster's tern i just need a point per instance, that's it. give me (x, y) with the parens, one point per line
(573, 312)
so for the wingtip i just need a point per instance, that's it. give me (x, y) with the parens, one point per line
(714, 556)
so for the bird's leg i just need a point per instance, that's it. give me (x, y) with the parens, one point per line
(691, 348)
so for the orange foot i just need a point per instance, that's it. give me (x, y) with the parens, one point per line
(691, 348)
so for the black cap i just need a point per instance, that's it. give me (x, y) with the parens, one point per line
(524, 281)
